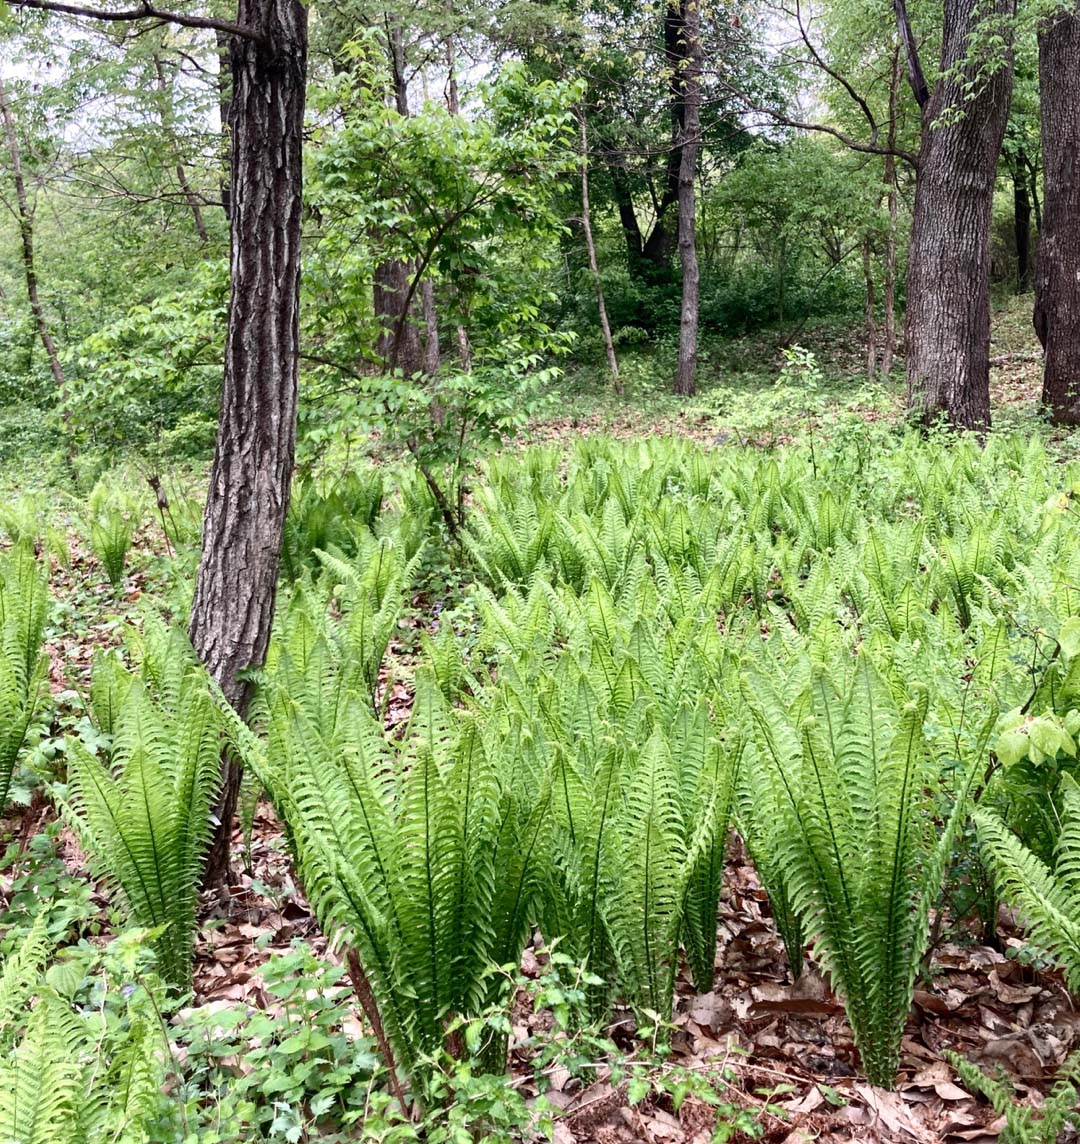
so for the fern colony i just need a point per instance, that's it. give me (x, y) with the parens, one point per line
(655, 643)
(611, 704)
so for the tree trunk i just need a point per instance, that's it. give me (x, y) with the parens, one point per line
(1057, 287)
(398, 343)
(233, 609)
(689, 143)
(431, 357)
(660, 243)
(948, 302)
(870, 308)
(888, 349)
(25, 218)
(594, 265)
(1033, 187)
(628, 220)
(1022, 221)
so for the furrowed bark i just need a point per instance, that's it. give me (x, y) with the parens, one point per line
(1057, 281)
(948, 303)
(248, 497)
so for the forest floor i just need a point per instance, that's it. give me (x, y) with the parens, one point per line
(740, 399)
(777, 1052)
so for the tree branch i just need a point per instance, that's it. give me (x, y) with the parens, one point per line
(848, 141)
(911, 50)
(832, 73)
(146, 11)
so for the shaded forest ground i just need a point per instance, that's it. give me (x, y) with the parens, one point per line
(739, 398)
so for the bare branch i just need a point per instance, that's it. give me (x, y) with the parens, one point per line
(145, 11)
(832, 73)
(848, 141)
(915, 73)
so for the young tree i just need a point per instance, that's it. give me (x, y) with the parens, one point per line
(1057, 285)
(594, 265)
(24, 214)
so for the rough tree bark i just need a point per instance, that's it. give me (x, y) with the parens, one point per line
(948, 296)
(25, 217)
(594, 265)
(689, 144)
(1057, 279)
(248, 497)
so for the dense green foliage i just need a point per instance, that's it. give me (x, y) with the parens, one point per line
(82, 1059)
(624, 604)
(23, 611)
(834, 647)
(144, 812)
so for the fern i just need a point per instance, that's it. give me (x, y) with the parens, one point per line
(417, 854)
(144, 813)
(112, 516)
(372, 591)
(763, 824)
(861, 859)
(23, 667)
(337, 518)
(69, 1076)
(644, 882)
(1024, 1124)
(1047, 898)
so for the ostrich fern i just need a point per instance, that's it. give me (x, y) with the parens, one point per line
(144, 812)
(1047, 898)
(23, 608)
(417, 855)
(861, 856)
(65, 1077)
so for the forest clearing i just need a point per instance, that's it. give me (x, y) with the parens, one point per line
(540, 572)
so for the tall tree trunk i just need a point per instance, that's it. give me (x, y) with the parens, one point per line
(948, 297)
(870, 309)
(1057, 286)
(431, 357)
(1033, 187)
(594, 265)
(1022, 220)
(399, 343)
(25, 219)
(658, 247)
(689, 143)
(628, 220)
(888, 348)
(235, 591)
